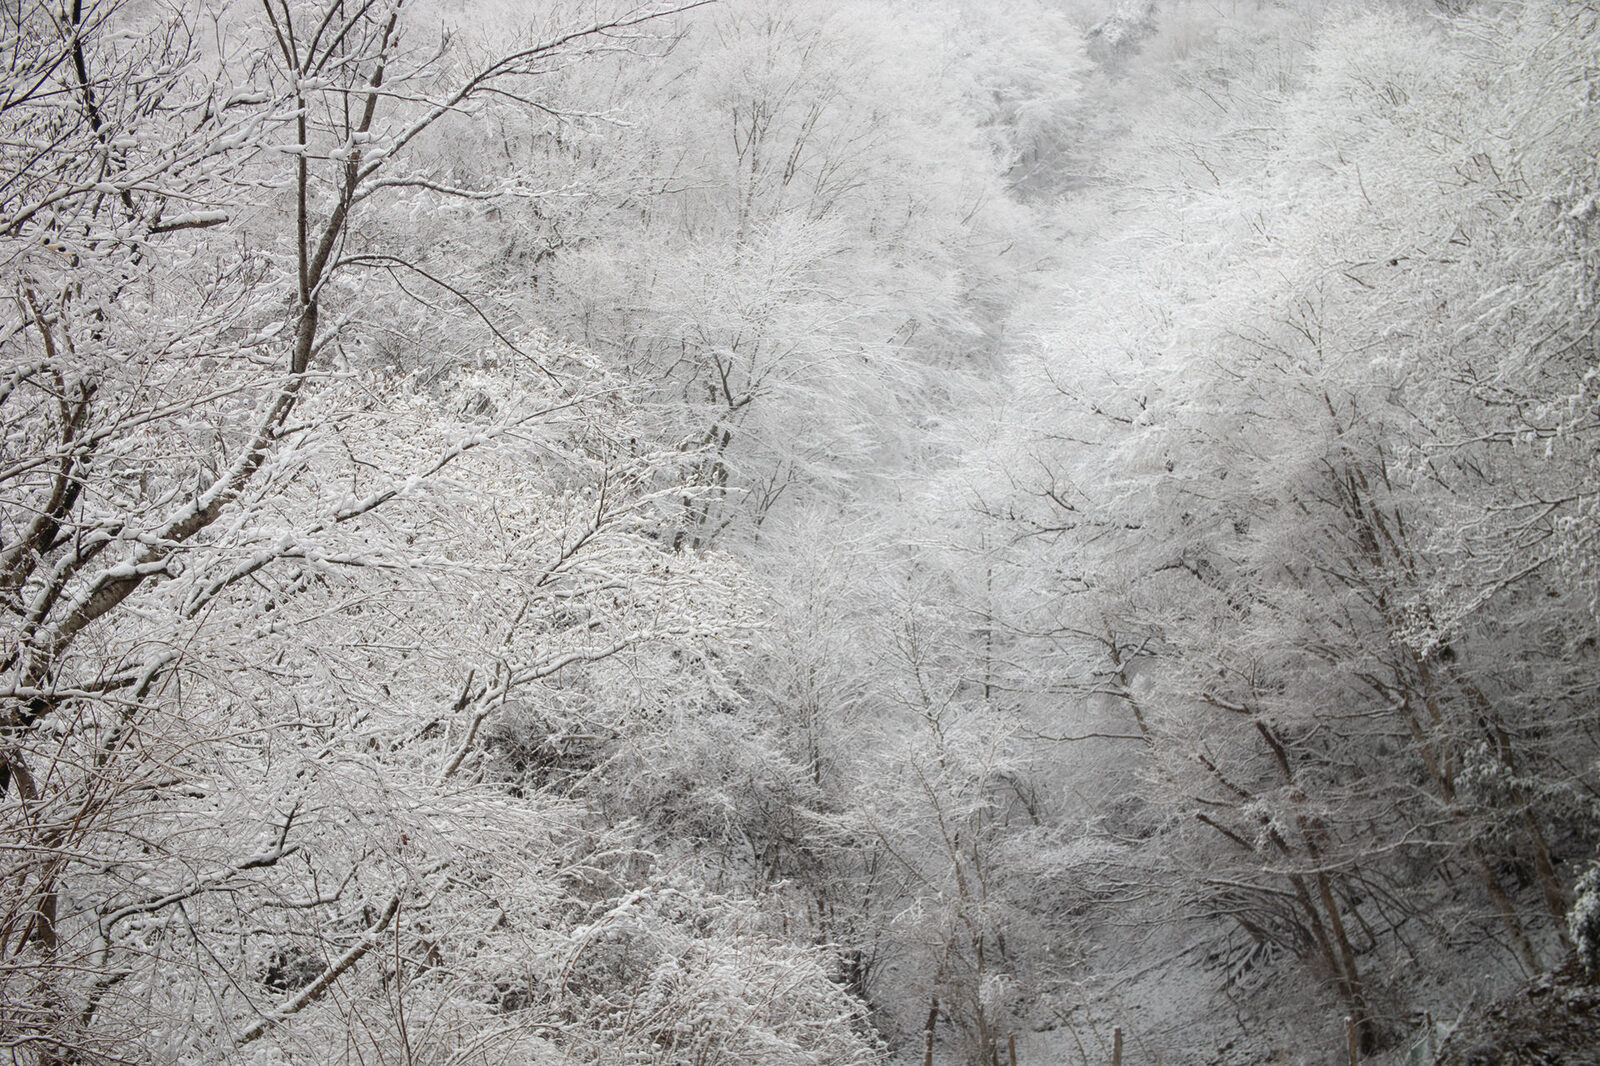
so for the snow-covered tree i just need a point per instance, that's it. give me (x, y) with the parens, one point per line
(1294, 513)
(279, 551)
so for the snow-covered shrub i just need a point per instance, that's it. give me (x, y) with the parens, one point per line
(1584, 920)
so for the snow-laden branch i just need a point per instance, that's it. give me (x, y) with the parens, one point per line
(316, 989)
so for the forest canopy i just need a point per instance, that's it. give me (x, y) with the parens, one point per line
(794, 533)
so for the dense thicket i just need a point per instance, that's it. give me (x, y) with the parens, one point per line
(1318, 499)
(791, 533)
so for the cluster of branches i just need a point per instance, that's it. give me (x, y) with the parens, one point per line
(1313, 525)
(264, 593)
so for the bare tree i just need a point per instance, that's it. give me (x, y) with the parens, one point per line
(194, 227)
